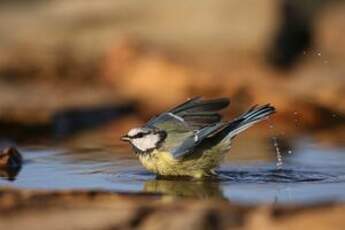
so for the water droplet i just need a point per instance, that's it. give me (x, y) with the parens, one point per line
(278, 153)
(279, 164)
(290, 152)
(295, 113)
(319, 54)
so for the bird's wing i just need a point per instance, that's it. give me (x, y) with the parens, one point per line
(221, 130)
(195, 139)
(188, 118)
(192, 115)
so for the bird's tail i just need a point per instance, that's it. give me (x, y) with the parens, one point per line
(249, 118)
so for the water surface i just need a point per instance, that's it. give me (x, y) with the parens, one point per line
(309, 174)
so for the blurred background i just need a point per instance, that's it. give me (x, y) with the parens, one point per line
(68, 67)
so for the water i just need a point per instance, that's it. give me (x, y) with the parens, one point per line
(279, 163)
(310, 174)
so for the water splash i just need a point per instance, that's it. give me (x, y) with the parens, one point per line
(279, 162)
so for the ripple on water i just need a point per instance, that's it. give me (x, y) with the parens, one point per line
(276, 176)
(248, 175)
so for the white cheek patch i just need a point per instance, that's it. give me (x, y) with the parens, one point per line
(134, 131)
(146, 143)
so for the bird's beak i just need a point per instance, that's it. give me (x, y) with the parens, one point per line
(125, 138)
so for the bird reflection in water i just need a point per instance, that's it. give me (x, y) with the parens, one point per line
(201, 189)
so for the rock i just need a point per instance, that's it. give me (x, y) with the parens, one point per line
(10, 163)
(10, 158)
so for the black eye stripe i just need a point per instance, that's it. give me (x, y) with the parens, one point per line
(139, 135)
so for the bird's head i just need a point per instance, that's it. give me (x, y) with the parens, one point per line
(144, 140)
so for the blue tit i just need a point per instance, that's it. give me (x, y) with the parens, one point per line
(190, 139)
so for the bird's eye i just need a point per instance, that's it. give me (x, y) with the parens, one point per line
(139, 135)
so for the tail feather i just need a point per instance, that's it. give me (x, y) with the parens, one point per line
(249, 118)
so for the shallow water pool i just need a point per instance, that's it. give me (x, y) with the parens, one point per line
(309, 174)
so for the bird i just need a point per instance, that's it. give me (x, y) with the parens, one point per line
(191, 139)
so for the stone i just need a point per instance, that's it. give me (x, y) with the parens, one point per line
(10, 158)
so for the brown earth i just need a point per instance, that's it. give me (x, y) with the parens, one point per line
(105, 210)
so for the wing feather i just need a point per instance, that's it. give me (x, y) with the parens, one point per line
(222, 130)
(191, 115)
(187, 119)
(195, 139)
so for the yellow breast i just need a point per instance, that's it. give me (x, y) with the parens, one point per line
(163, 163)
(158, 162)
